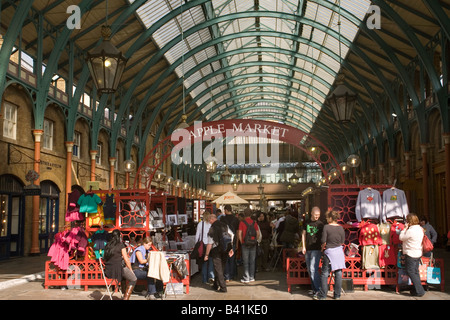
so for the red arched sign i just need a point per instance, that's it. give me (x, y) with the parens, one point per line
(213, 131)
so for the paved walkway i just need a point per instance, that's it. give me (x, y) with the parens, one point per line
(23, 278)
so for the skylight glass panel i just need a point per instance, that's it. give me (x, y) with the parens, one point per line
(153, 10)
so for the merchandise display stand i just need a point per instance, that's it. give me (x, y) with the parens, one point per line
(133, 219)
(343, 198)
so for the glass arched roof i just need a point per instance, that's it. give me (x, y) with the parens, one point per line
(291, 71)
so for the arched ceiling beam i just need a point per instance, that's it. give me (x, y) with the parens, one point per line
(424, 58)
(9, 39)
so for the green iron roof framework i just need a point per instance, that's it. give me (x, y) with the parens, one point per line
(274, 60)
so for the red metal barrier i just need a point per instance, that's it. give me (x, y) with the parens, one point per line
(297, 273)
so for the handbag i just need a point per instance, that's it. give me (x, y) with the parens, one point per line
(427, 245)
(199, 247)
(403, 278)
(433, 273)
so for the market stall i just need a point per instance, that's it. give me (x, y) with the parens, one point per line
(370, 216)
(91, 216)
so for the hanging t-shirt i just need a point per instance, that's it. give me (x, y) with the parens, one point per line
(385, 232)
(387, 255)
(369, 234)
(394, 204)
(394, 236)
(88, 202)
(370, 257)
(368, 205)
(313, 234)
(109, 208)
(99, 240)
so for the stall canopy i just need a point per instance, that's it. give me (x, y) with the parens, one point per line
(230, 198)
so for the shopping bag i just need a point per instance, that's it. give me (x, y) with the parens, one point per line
(433, 275)
(423, 270)
(198, 251)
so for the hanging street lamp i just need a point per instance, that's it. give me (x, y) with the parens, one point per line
(342, 101)
(106, 64)
(226, 176)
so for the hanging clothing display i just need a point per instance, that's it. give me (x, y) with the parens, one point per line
(387, 255)
(73, 209)
(394, 236)
(369, 257)
(369, 234)
(99, 240)
(59, 252)
(77, 240)
(96, 219)
(66, 243)
(368, 205)
(109, 208)
(385, 232)
(88, 202)
(394, 204)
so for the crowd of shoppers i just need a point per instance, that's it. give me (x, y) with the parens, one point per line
(253, 236)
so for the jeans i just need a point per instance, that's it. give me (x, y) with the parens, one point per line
(412, 269)
(249, 258)
(153, 285)
(326, 268)
(263, 259)
(312, 258)
(230, 266)
(207, 270)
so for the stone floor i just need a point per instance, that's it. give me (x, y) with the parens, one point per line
(23, 278)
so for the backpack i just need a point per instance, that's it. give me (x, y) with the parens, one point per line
(226, 240)
(250, 239)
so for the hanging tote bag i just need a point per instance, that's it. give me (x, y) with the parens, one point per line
(199, 247)
(427, 245)
(423, 270)
(433, 272)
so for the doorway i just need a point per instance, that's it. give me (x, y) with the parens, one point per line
(48, 214)
(12, 211)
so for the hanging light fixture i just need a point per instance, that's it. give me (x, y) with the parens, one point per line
(178, 183)
(211, 163)
(183, 124)
(342, 100)
(159, 176)
(293, 180)
(235, 183)
(353, 160)
(344, 167)
(129, 166)
(106, 63)
(226, 176)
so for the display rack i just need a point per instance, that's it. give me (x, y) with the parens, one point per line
(132, 218)
(343, 198)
